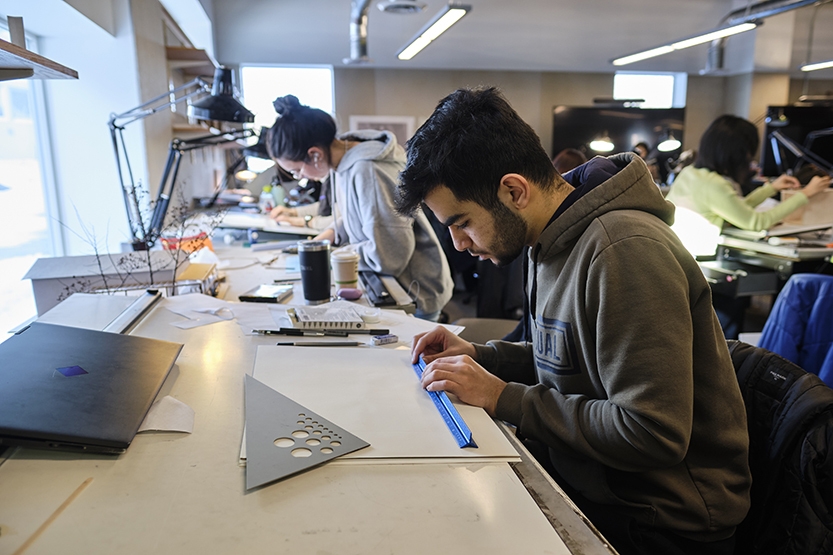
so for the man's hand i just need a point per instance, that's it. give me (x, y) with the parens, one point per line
(439, 342)
(466, 379)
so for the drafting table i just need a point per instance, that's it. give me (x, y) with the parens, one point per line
(746, 265)
(268, 228)
(185, 493)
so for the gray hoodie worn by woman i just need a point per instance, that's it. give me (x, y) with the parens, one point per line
(405, 248)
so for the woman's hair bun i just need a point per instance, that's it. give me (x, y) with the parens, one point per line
(284, 105)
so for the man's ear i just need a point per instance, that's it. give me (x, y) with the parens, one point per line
(515, 190)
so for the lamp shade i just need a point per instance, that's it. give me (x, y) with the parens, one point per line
(221, 105)
(668, 143)
(259, 150)
(602, 143)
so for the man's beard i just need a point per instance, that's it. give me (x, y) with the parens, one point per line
(510, 235)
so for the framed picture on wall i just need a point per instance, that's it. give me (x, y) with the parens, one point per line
(401, 126)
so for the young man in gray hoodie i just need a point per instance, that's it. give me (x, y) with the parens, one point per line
(627, 384)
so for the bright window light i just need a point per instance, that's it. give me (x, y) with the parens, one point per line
(261, 85)
(657, 89)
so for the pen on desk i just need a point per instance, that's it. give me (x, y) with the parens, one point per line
(337, 333)
(294, 331)
(320, 344)
(302, 333)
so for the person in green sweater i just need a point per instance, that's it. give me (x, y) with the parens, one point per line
(711, 186)
(708, 195)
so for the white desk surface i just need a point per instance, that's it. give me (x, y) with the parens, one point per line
(185, 493)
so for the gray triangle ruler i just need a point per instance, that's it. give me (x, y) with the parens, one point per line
(284, 438)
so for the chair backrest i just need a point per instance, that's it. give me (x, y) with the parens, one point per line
(790, 420)
(800, 325)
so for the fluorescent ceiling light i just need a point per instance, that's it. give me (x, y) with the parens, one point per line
(686, 43)
(817, 66)
(448, 16)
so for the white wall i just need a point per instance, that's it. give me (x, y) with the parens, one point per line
(117, 47)
(89, 198)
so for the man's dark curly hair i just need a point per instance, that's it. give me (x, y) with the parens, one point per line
(469, 143)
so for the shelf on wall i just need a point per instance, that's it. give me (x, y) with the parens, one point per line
(191, 61)
(19, 63)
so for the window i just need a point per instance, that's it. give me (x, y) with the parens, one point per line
(26, 230)
(261, 85)
(659, 90)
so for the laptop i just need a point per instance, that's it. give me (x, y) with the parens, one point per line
(76, 389)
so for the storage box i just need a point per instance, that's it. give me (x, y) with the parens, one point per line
(54, 279)
(818, 211)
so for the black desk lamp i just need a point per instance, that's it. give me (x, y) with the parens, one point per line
(221, 105)
(779, 142)
(166, 186)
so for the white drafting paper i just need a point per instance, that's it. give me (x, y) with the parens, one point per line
(255, 316)
(199, 309)
(168, 415)
(375, 394)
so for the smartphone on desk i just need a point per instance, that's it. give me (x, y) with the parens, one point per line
(270, 293)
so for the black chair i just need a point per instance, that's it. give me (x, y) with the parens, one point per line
(790, 420)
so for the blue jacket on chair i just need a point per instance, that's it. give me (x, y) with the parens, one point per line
(800, 326)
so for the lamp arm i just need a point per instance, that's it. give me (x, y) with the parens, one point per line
(777, 139)
(151, 106)
(129, 195)
(168, 181)
(138, 230)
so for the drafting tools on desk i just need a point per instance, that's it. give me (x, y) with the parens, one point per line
(320, 344)
(303, 438)
(452, 418)
(327, 317)
(132, 314)
(316, 332)
(302, 333)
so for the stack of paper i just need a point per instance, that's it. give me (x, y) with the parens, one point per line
(375, 394)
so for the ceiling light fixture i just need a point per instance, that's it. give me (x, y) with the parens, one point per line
(817, 66)
(686, 43)
(448, 16)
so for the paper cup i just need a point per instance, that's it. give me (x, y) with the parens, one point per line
(345, 268)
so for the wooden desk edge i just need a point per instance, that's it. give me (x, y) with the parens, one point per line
(578, 533)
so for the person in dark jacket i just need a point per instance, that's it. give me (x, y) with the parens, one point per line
(790, 415)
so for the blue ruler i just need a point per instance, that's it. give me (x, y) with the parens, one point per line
(452, 418)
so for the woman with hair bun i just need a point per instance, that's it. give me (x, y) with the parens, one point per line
(363, 167)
